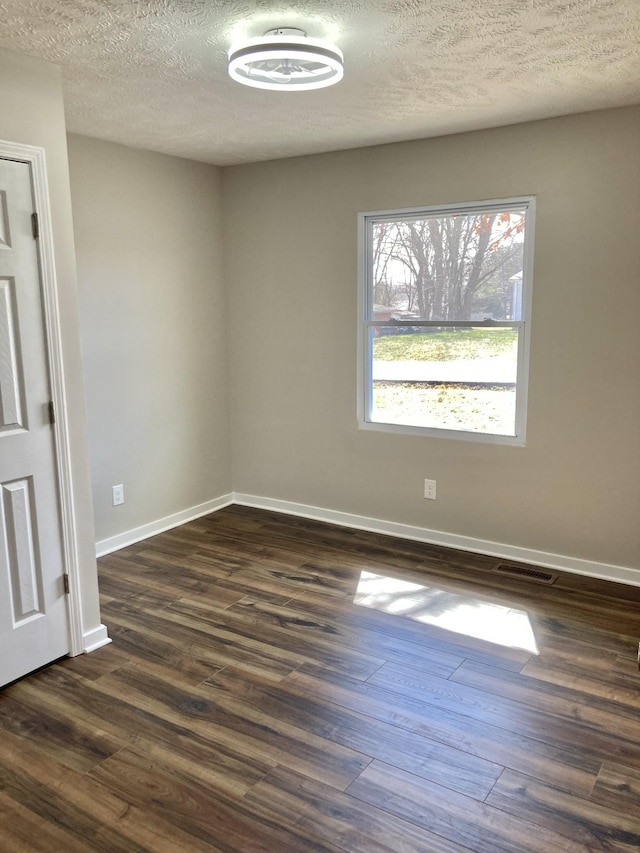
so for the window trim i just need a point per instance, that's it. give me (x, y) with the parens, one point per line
(366, 220)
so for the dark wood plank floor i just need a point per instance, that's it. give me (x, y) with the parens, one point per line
(248, 704)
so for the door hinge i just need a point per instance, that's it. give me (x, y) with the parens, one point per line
(65, 581)
(35, 226)
(52, 413)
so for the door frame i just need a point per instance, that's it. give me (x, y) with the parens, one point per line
(35, 158)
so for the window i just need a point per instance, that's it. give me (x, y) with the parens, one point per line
(444, 320)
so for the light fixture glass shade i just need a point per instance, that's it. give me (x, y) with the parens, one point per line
(285, 60)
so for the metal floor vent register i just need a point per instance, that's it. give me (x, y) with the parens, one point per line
(535, 575)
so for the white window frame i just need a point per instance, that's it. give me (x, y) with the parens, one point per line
(366, 222)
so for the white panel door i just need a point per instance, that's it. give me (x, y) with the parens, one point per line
(34, 626)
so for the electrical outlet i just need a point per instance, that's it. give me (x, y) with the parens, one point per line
(430, 490)
(118, 494)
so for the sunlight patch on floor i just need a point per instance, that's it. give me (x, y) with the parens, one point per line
(461, 614)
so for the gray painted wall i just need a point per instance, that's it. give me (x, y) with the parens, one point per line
(159, 309)
(291, 254)
(148, 244)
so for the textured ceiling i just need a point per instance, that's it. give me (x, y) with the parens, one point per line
(152, 73)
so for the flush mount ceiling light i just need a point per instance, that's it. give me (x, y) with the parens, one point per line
(285, 60)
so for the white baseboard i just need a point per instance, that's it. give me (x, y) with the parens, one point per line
(93, 640)
(129, 537)
(575, 565)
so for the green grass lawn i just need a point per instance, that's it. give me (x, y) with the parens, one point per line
(448, 345)
(455, 406)
(445, 407)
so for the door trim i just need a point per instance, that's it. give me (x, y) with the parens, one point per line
(35, 158)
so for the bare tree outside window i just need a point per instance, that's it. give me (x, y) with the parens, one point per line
(445, 318)
(449, 268)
